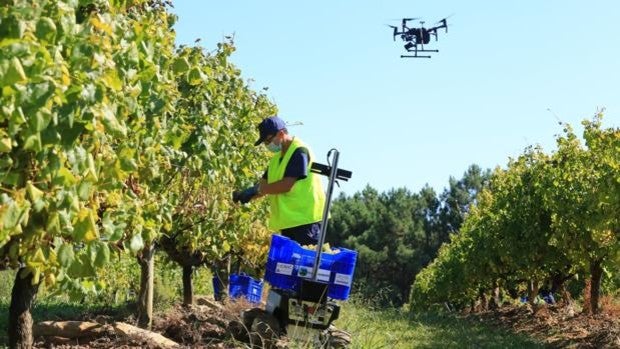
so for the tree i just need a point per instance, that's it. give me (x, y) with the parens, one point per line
(458, 198)
(542, 219)
(582, 188)
(68, 79)
(216, 120)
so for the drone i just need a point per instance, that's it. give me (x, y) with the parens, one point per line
(416, 38)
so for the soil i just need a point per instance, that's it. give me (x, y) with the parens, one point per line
(558, 326)
(205, 325)
(211, 325)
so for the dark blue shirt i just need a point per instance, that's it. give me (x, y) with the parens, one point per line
(297, 166)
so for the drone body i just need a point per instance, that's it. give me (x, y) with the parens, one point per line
(416, 38)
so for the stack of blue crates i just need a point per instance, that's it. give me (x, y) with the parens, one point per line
(288, 262)
(241, 285)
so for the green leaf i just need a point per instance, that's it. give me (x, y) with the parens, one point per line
(11, 215)
(84, 190)
(81, 267)
(85, 229)
(136, 244)
(127, 161)
(111, 231)
(5, 143)
(195, 77)
(180, 65)
(113, 81)
(40, 120)
(111, 123)
(12, 27)
(33, 192)
(102, 254)
(46, 29)
(65, 255)
(14, 73)
(53, 224)
(70, 134)
(64, 178)
(33, 142)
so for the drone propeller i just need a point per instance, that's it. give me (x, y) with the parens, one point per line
(405, 20)
(400, 19)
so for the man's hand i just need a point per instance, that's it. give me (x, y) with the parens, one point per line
(245, 195)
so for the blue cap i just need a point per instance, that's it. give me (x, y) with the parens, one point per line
(268, 127)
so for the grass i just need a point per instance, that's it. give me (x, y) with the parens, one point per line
(370, 328)
(394, 328)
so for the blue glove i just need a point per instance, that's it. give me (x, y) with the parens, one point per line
(245, 195)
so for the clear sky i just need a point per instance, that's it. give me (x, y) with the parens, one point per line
(332, 65)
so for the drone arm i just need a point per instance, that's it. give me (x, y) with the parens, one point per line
(395, 33)
(405, 20)
(443, 25)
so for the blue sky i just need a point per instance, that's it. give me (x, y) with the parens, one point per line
(333, 66)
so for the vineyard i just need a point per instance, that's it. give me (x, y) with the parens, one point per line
(115, 141)
(542, 221)
(119, 148)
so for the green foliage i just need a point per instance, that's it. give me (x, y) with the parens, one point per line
(111, 138)
(398, 233)
(542, 219)
(214, 127)
(67, 97)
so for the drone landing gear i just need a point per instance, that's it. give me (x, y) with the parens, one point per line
(409, 56)
(415, 54)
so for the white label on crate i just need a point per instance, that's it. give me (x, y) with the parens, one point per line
(284, 268)
(342, 279)
(306, 272)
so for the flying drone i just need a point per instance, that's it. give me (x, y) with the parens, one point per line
(416, 38)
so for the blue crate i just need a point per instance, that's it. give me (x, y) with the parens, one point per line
(242, 285)
(217, 288)
(288, 262)
(342, 275)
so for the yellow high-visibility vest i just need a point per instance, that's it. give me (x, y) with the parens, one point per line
(304, 203)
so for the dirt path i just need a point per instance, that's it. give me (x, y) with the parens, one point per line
(558, 327)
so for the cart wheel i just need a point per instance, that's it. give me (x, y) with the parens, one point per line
(337, 339)
(265, 330)
(248, 316)
(240, 329)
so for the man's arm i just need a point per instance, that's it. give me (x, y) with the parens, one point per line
(296, 169)
(282, 186)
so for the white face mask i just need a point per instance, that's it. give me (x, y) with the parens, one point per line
(274, 148)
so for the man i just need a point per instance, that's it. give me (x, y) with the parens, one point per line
(295, 193)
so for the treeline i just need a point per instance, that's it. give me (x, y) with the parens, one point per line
(113, 140)
(398, 233)
(544, 219)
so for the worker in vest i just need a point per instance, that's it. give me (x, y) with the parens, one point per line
(295, 193)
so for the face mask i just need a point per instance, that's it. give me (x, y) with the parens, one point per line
(274, 148)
